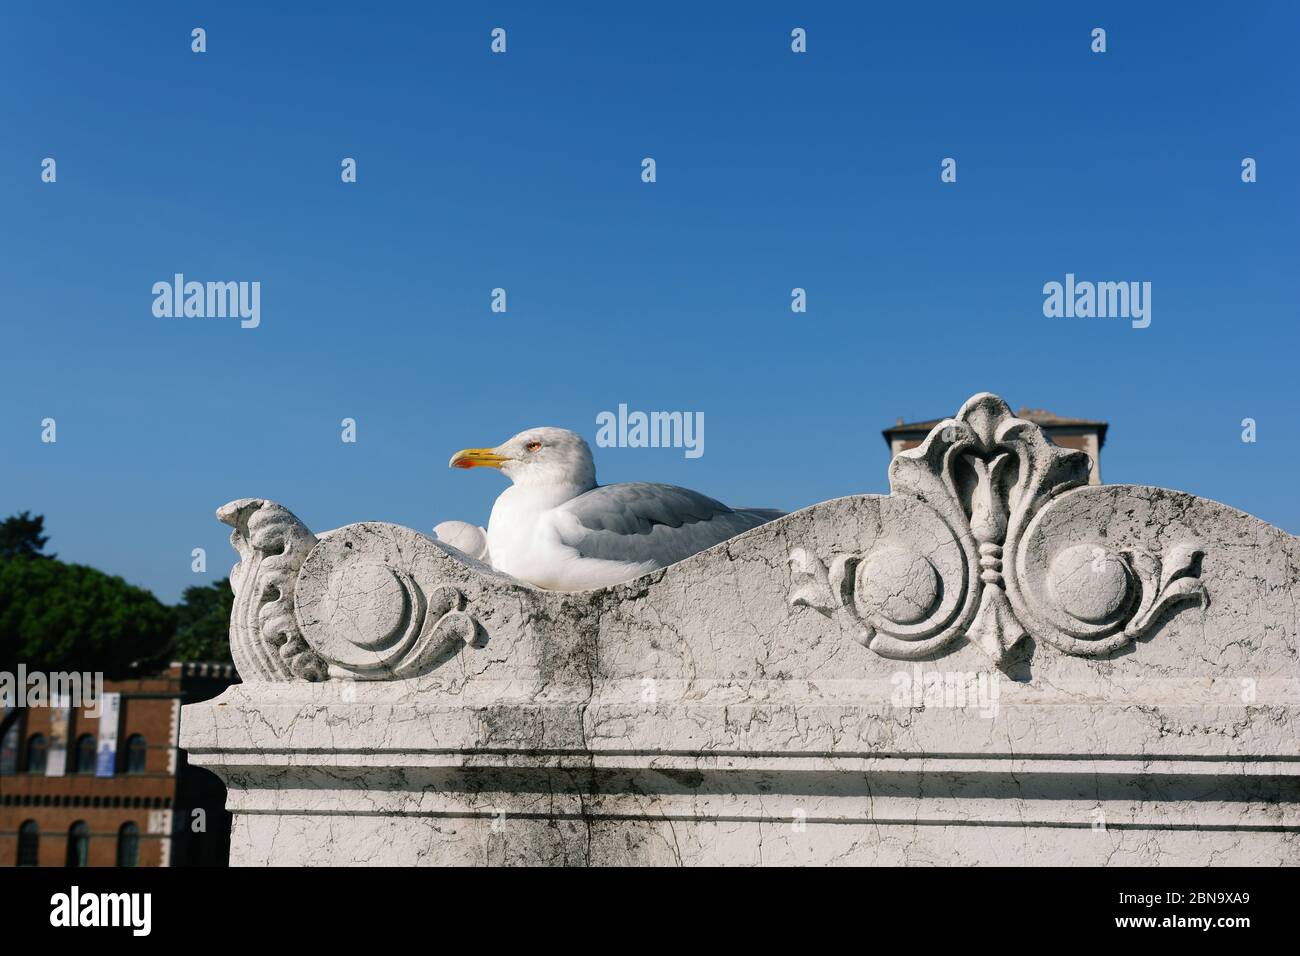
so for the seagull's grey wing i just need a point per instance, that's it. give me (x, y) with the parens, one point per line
(639, 522)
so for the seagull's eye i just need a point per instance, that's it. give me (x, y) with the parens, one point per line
(533, 445)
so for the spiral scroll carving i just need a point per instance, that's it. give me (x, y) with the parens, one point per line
(265, 640)
(365, 607)
(360, 603)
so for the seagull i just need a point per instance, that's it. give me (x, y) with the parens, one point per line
(555, 528)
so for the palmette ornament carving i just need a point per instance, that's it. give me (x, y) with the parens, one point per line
(355, 603)
(991, 575)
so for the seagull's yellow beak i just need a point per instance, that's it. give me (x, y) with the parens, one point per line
(477, 458)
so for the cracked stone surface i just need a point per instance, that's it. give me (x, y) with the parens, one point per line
(994, 664)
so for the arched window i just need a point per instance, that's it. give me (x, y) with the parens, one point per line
(29, 844)
(37, 747)
(128, 845)
(78, 844)
(135, 754)
(85, 753)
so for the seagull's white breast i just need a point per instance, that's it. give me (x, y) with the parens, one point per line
(524, 539)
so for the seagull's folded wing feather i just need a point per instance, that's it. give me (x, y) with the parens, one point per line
(638, 522)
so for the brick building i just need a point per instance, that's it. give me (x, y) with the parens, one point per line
(77, 790)
(1081, 433)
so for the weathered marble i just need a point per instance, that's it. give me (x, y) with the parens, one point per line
(996, 663)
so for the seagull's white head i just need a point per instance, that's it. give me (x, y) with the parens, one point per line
(538, 456)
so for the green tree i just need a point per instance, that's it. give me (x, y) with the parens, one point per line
(57, 616)
(21, 536)
(203, 623)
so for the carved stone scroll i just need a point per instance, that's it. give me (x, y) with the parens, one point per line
(370, 603)
(265, 640)
(362, 602)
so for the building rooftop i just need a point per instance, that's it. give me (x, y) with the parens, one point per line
(1039, 416)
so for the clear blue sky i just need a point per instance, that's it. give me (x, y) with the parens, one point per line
(523, 171)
